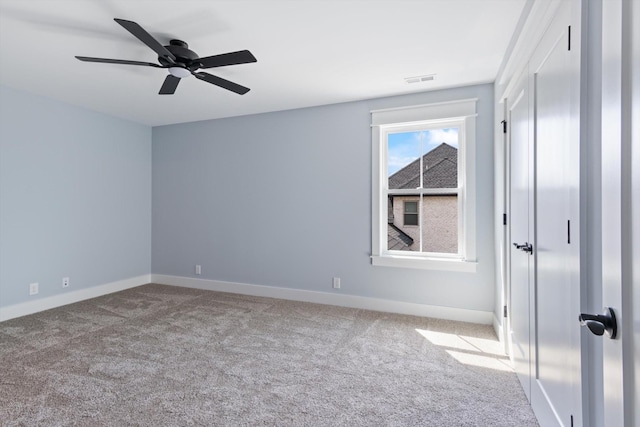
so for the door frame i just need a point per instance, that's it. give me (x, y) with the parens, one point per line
(591, 209)
(633, 348)
(620, 109)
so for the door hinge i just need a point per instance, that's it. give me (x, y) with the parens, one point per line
(505, 311)
(504, 126)
(569, 37)
(568, 231)
(504, 219)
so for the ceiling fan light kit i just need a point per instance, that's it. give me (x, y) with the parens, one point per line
(180, 61)
(179, 72)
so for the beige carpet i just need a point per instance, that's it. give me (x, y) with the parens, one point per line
(163, 356)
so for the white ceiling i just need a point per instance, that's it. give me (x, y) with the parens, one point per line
(309, 52)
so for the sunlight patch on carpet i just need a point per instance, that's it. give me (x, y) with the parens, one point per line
(473, 351)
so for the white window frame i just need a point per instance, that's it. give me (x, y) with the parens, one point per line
(460, 114)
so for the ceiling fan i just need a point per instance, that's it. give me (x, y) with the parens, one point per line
(181, 61)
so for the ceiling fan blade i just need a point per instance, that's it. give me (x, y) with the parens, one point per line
(118, 61)
(146, 38)
(225, 84)
(231, 58)
(169, 86)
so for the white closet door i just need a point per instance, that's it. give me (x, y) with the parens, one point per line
(555, 333)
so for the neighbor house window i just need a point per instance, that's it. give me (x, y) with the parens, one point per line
(410, 213)
(423, 204)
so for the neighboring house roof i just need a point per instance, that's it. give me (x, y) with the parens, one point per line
(398, 240)
(440, 170)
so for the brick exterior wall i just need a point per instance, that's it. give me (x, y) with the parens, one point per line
(439, 218)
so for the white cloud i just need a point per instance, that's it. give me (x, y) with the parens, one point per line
(395, 163)
(436, 137)
(400, 161)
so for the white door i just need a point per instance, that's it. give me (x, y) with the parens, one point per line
(620, 204)
(555, 336)
(520, 147)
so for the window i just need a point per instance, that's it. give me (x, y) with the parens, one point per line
(423, 206)
(410, 213)
(422, 172)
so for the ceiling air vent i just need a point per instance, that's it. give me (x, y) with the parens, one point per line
(420, 79)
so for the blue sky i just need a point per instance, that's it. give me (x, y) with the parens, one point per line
(405, 147)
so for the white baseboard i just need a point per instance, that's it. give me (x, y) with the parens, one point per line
(342, 300)
(498, 326)
(30, 307)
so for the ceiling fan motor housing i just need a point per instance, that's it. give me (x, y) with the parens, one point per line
(184, 56)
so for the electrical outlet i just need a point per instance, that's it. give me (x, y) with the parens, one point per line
(336, 283)
(198, 269)
(65, 282)
(33, 288)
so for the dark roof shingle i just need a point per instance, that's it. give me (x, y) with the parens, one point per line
(397, 239)
(440, 170)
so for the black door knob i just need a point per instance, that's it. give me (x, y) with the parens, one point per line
(598, 324)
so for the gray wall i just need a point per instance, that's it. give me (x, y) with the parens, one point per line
(284, 199)
(75, 197)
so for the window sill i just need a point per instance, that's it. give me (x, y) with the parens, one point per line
(424, 263)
